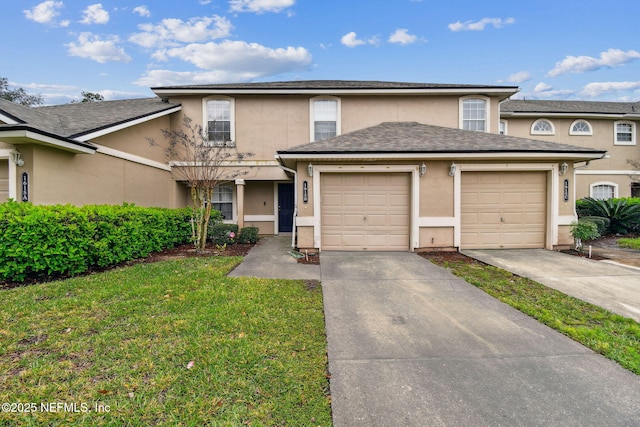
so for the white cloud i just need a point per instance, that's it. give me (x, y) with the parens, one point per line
(402, 36)
(260, 6)
(142, 11)
(102, 51)
(479, 25)
(579, 64)
(543, 90)
(351, 40)
(519, 77)
(95, 14)
(601, 88)
(45, 12)
(243, 58)
(153, 78)
(172, 31)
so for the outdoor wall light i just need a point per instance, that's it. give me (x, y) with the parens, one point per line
(310, 169)
(423, 169)
(564, 167)
(17, 158)
(452, 169)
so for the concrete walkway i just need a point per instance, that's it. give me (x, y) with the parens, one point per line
(615, 287)
(409, 344)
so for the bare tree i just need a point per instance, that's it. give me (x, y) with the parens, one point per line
(202, 165)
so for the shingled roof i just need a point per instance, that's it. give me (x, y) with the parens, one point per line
(413, 137)
(571, 108)
(69, 123)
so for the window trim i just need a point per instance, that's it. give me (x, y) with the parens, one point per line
(232, 119)
(538, 132)
(233, 201)
(487, 118)
(575, 122)
(312, 100)
(607, 183)
(615, 132)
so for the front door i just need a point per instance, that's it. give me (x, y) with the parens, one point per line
(285, 208)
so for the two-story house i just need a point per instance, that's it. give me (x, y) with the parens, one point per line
(343, 165)
(606, 126)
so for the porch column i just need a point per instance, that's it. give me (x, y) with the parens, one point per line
(240, 202)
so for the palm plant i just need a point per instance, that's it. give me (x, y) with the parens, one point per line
(620, 216)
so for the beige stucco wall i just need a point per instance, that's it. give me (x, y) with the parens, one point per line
(60, 177)
(259, 198)
(133, 140)
(602, 139)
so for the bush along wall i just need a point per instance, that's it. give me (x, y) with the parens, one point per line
(40, 241)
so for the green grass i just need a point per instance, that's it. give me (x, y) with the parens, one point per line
(628, 242)
(124, 339)
(615, 337)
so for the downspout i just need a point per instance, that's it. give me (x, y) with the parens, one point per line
(295, 200)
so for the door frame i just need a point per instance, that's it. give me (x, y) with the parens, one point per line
(279, 223)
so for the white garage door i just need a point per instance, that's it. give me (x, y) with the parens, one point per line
(503, 210)
(363, 211)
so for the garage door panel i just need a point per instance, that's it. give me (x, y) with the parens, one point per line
(373, 211)
(503, 209)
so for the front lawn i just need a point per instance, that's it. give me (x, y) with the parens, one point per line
(615, 337)
(173, 343)
(629, 242)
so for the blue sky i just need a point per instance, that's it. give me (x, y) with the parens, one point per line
(551, 49)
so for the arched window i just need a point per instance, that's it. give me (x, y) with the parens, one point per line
(580, 127)
(603, 190)
(474, 114)
(542, 127)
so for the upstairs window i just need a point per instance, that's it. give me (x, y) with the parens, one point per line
(504, 127)
(325, 118)
(474, 114)
(625, 133)
(542, 127)
(219, 121)
(580, 127)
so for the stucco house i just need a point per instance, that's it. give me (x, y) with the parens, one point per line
(343, 165)
(607, 126)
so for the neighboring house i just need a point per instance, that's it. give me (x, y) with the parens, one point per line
(607, 126)
(344, 165)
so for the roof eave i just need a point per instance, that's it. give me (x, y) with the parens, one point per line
(25, 135)
(538, 114)
(458, 155)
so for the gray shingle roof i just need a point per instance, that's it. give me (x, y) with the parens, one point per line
(413, 137)
(569, 107)
(332, 84)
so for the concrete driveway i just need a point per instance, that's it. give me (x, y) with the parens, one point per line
(412, 345)
(615, 287)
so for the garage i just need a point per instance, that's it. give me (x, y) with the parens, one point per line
(4, 180)
(365, 211)
(503, 209)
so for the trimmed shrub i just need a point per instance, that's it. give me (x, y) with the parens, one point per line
(248, 235)
(40, 241)
(223, 234)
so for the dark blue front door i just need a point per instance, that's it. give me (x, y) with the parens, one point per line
(285, 208)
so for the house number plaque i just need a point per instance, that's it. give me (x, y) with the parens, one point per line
(566, 190)
(25, 186)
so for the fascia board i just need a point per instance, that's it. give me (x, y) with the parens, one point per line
(50, 141)
(438, 156)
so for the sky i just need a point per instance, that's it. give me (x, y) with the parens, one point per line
(550, 49)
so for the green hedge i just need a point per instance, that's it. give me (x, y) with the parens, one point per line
(220, 233)
(39, 241)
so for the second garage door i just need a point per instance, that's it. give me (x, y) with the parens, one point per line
(365, 211)
(503, 210)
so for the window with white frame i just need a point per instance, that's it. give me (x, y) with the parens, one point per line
(325, 118)
(504, 128)
(625, 133)
(222, 200)
(474, 114)
(603, 190)
(580, 127)
(542, 127)
(219, 121)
